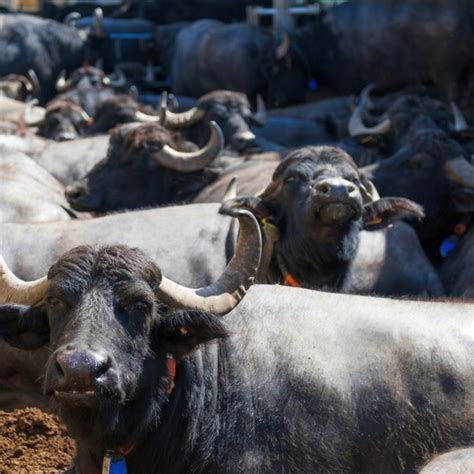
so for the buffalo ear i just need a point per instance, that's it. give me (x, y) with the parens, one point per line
(387, 210)
(252, 203)
(24, 327)
(182, 332)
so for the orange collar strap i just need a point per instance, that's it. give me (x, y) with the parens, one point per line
(290, 281)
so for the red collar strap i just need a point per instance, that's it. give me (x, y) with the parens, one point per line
(171, 367)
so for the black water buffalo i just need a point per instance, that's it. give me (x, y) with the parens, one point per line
(209, 55)
(430, 169)
(19, 87)
(456, 461)
(408, 42)
(230, 110)
(143, 169)
(313, 212)
(46, 46)
(28, 193)
(71, 113)
(344, 383)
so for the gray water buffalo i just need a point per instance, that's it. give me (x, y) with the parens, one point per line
(146, 375)
(313, 214)
(70, 160)
(28, 193)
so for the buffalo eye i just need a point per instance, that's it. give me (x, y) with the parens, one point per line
(138, 306)
(54, 303)
(420, 161)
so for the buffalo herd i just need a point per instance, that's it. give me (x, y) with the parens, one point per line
(264, 262)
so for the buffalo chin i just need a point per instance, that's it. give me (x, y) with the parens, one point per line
(337, 213)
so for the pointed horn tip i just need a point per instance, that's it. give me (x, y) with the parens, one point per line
(218, 133)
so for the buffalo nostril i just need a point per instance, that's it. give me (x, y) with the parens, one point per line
(323, 188)
(351, 189)
(59, 369)
(74, 193)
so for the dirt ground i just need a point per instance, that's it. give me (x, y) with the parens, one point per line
(32, 441)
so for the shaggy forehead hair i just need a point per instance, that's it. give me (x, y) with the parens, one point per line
(148, 137)
(316, 154)
(227, 98)
(116, 263)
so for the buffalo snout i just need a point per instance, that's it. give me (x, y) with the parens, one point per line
(337, 200)
(336, 188)
(243, 140)
(78, 374)
(76, 192)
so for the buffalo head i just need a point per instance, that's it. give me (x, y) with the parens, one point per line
(230, 110)
(319, 201)
(19, 87)
(60, 121)
(111, 320)
(430, 169)
(142, 168)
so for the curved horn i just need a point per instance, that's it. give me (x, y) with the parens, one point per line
(98, 22)
(461, 172)
(284, 47)
(223, 295)
(196, 160)
(33, 80)
(71, 18)
(356, 125)
(117, 79)
(33, 115)
(460, 124)
(145, 118)
(231, 190)
(14, 290)
(183, 119)
(61, 83)
(260, 117)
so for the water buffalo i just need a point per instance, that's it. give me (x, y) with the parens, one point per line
(295, 380)
(208, 55)
(142, 169)
(28, 193)
(70, 160)
(431, 170)
(230, 110)
(71, 113)
(46, 46)
(19, 87)
(313, 212)
(440, 35)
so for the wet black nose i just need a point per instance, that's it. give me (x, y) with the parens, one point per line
(81, 369)
(336, 188)
(75, 192)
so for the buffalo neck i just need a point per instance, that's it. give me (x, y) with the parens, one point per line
(320, 259)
